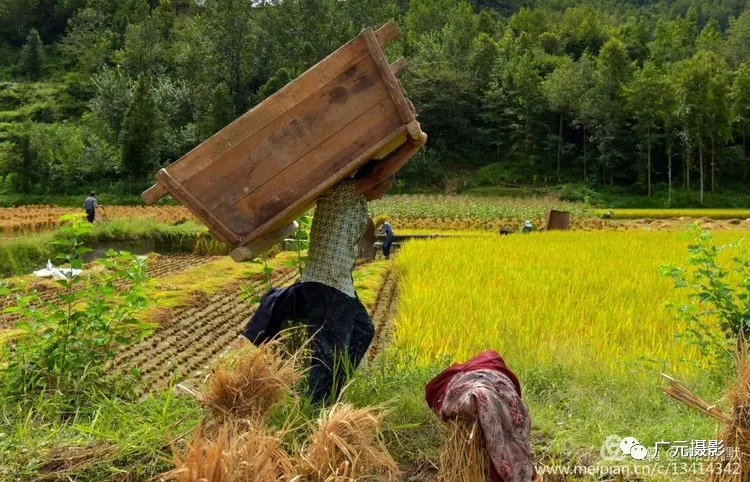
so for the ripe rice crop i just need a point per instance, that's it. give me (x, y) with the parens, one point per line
(580, 317)
(578, 299)
(33, 219)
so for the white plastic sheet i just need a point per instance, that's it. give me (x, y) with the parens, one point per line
(50, 271)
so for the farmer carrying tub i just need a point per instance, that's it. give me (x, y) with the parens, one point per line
(338, 323)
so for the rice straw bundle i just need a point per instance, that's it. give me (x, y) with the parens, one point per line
(347, 444)
(242, 452)
(736, 432)
(463, 454)
(249, 382)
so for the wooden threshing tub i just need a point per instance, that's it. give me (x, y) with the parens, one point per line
(250, 180)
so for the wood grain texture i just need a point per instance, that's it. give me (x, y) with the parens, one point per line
(218, 228)
(260, 244)
(154, 193)
(399, 65)
(300, 181)
(321, 185)
(390, 80)
(241, 171)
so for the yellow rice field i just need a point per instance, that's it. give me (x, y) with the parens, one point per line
(589, 301)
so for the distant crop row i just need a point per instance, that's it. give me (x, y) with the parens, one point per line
(475, 209)
(33, 219)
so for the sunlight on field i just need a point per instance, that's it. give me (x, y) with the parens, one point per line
(579, 300)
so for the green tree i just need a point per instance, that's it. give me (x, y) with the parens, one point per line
(740, 98)
(32, 56)
(563, 89)
(647, 97)
(608, 102)
(703, 103)
(88, 41)
(738, 39)
(113, 91)
(140, 131)
(514, 104)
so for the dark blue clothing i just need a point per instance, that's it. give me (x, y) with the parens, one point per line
(340, 328)
(389, 237)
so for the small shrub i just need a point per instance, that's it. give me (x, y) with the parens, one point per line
(64, 345)
(716, 292)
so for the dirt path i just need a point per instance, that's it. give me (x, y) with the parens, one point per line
(383, 313)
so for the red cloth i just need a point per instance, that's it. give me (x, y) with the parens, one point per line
(484, 388)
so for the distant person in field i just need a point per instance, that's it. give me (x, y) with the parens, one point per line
(389, 237)
(338, 323)
(89, 205)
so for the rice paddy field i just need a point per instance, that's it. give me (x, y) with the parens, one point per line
(581, 316)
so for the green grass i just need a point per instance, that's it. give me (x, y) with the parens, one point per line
(24, 254)
(112, 440)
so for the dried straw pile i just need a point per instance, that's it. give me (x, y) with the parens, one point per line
(240, 452)
(736, 431)
(345, 444)
(249, 382)
(235, 444)
(463, 455)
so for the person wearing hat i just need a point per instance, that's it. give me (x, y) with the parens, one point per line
(89, 205)
(527, 227)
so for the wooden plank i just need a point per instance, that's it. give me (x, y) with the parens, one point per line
(399, 65)
(391, 83)
(278, 104)
(398, 159)
(246, 168)
(281, 102)
(260, 244)
(387, 32)
(217, 227)
(154, 193)
(300, 178)
(390, 147)
(415, 131)
(318, 185)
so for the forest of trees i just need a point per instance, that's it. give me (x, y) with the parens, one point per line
(641, 94)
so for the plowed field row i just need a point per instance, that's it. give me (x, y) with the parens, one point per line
(184, 344)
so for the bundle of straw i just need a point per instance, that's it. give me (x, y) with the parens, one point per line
(347, 444)
(463, 454)
(248, 383)
(736, 432)
(242, 452)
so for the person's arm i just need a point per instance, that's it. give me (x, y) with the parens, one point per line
(389, 166)
(378, 190)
